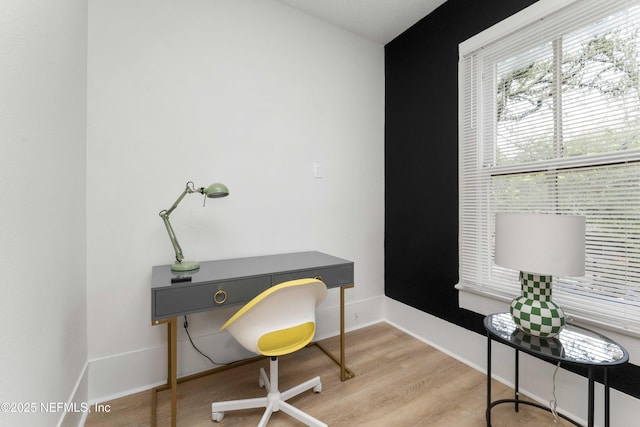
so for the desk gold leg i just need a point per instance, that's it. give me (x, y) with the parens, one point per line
(154, 405)
(173, 368)
(172, 373)
(342, 367)
(345, 373)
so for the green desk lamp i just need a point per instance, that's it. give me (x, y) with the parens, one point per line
(213, 191)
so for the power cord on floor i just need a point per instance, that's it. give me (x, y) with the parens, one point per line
(186, 328)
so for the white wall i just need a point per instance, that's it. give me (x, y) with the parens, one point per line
(246, 92)
(42, 186)
(250, 93)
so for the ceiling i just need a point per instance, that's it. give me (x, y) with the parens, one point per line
(377, 20)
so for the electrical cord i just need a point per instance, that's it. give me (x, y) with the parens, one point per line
(186, 328)
(553, 403)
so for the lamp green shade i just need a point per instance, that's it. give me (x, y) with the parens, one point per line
(216, 190)
(213, 191)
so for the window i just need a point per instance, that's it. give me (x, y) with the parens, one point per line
(550, 123)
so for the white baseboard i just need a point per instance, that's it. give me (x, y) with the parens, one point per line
(78, 402)
(471, 349)
(124, 374)
(536, 377)
(120, 375)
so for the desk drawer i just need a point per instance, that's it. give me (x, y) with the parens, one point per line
(183, 299)
(332, 276)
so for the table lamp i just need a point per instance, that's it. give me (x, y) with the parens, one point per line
(213, 191)
(540, 246)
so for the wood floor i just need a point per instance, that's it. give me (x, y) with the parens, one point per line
(399, 382)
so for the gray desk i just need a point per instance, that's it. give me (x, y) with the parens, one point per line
(234, 282)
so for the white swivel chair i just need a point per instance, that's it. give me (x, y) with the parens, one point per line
(279, 321)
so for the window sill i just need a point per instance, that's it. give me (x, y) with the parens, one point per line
(486, 303)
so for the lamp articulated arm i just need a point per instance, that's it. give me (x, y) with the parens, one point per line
(174, 241)
(164, 214)
(214, 190)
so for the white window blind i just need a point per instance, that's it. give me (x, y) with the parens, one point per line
(550, 123)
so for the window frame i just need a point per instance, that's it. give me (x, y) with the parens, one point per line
(476, 298)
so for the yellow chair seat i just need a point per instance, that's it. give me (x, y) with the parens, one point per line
(285, 341)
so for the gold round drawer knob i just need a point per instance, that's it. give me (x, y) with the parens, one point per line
(220, 297)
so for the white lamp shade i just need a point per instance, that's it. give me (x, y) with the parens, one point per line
(541, 244)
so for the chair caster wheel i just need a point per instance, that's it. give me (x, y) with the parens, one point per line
(217, 416)
(318, 388)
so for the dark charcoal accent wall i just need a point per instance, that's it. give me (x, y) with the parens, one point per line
(421, 163)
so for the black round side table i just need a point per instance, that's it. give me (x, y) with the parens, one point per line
(574, 345)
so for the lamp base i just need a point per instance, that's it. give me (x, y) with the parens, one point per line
(533, 312)
(185, 266)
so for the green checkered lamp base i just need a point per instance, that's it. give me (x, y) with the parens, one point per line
(533, 312)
